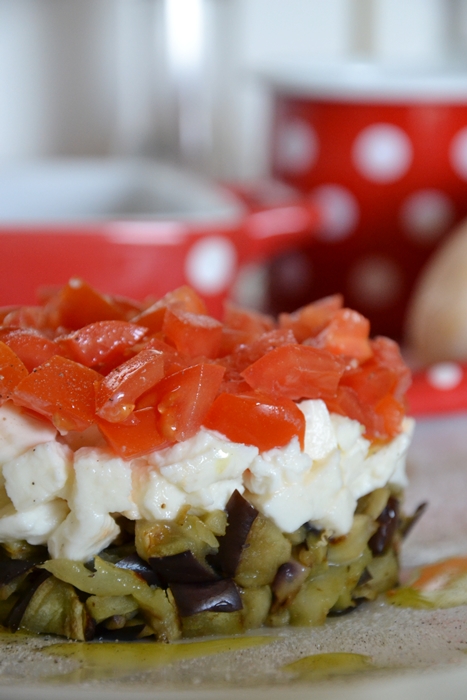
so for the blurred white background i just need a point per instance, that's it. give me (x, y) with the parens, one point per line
(179, 79)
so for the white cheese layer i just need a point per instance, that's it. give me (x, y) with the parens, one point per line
(68, 495)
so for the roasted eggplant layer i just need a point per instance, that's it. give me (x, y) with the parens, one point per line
(223, 573)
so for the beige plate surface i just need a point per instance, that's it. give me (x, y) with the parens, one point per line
(414, 653)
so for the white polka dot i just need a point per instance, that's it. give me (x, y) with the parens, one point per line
(427, 214)
(339, 211)
(251, 286)
(382, 153)
(211, 264)
(375, 281)
(458, 153)
(297, 146)
(444, 375)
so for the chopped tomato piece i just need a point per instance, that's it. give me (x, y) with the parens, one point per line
(251, 352)
(12, 371)
(78, 304)
(381, 420)
(26, 317)
(136, 436)
(387, 354)
(310, 320)
(30, 345)
(194, 335)
(184, 299)
(116, 393)
(371, 382)
(62, 390)
(256, 419)
(296, 372)
(347, 334)
(102, 342)
(184, 398)
(251, 322)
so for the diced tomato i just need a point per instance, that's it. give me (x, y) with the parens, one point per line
(26, 317)
(387, 354)
(195, 335)
(78, 304)
(347, 333)
(30, 345)
(371, 382)
(6, 311)
(296, 372)
(184, 299)
(310, 320)
(62, 390)
(117, 393)
(251, 322)
(247, 354)
(256, 419)
(183, 399)
(136, 436)
(382, 420)
(12, 371)
(101, 343)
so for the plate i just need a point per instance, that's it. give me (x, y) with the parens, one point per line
(406, 653)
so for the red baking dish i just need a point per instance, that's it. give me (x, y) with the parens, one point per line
(137, 228)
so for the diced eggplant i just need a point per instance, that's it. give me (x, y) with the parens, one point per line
(13, 568)
(218, 596)
(287, 582)
(407, 522)
(134, 563)
(240, 518)
(13, 621)
(388, 521)
(181, 568)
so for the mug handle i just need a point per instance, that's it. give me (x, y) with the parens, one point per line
(278, 217)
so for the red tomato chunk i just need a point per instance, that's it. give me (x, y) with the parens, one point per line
(256, 419)
(150, 374)
(296, 372)
(12, 371)
(62, 390)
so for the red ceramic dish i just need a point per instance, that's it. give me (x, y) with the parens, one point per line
(384, 156)
(136, 228)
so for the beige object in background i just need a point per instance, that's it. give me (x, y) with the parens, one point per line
(436, 327)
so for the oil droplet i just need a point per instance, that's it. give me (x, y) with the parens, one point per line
(333, 664)
(101, 660)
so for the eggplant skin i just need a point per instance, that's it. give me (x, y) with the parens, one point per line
(218, 596)
(240, 517)
(181, 568)
(388, 523)
(133, 562)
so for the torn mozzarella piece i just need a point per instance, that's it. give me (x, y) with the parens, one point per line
(35, 525)
(19, 431)
(39, 475)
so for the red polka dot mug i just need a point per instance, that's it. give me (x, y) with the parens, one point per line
(383, 154)
(137, 228)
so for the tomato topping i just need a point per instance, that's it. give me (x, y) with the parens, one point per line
(387, 354)
(308, 321)
(101, 343)
(62, 390)
(296, 372)
(26, 317)
(12, 371)
(184, 299)
(253, 323)
(78, 304)
(256, 419)
(116, 394)
(183, 399)
(346, 334)
(30, 345)
(136, 436)
(194, 335)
